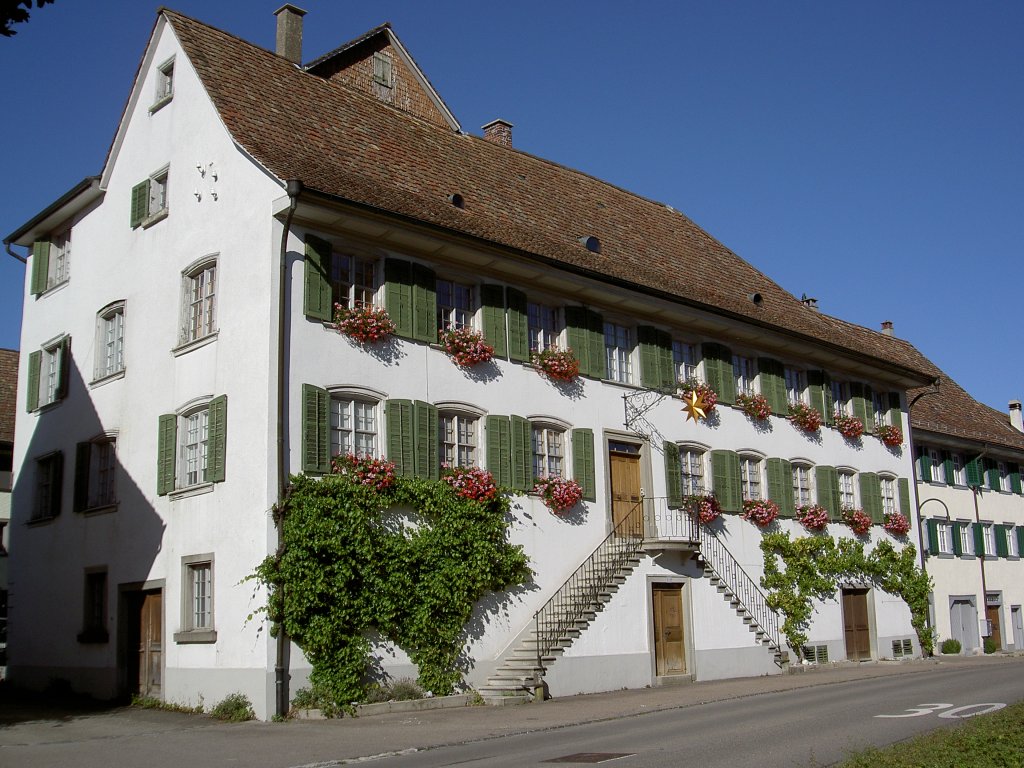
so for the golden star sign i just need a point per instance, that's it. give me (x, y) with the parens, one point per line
(694, 406)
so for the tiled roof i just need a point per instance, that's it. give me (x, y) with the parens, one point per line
(8, 393)
(350, 146)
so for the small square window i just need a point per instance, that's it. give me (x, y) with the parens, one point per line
(383, 71)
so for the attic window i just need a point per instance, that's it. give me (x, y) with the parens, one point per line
(591, 243)
(456, 200)
(164, 84)
(382, 71)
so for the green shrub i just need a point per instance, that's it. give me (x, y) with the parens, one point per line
(951, 645)
(234, 708)
(990, 645)
(405, 690)
(309, 698)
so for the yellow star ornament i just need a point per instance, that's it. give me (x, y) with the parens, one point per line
(694, 407)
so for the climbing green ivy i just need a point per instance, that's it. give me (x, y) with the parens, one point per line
(407, 562)
(814, 565)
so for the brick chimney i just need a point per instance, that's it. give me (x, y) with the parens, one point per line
(1016, 418)
(289, 32)
(887, 327)
(498, 132)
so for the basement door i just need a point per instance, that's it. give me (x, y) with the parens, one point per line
(669, 649)
(624, 465)
(855, 624)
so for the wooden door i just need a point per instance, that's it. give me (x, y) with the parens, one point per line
(669, 649)
(855, 624)
(992, 614)
(151, 645)
(624, 464)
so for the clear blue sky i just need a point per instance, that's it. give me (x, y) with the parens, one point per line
(870, 154)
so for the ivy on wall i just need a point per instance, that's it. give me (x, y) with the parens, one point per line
(814, 566)
(352, 564)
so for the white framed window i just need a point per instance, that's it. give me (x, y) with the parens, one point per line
(841, 398)
(548, 451)
(59, 265)
(938, 465)
(959, 475)
(966, 539)
(164, 83)
(354, 425)
(47, 373)
(803, 487)
(458, 435)
(199, 302)
(110, 340)
(49, 485)
(945, 535)
(542, 323)
(149, 199)
(353, 280)
(796, 384)
(1004, 477)
(880, 401)
(684, 357)
(888, 488)
(1012, 550)
(383, 69)
(988, 532)
(455, 306)
(618, 346)
(95, 474)
(197, 603)
(847, 496)
(743, 372)
(750, 477)
(691, 461)
(194, 447)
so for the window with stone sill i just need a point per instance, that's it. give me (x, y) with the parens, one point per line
(692, 470)
(197, 600)
(743, 372)
(149, 199)
(543, 327)
(750, 478)
(109, 341)
(198, 302)
(455, 305)
(95, 474)
(618, 344)
(458, 437)
(847, 497)
(548, 448)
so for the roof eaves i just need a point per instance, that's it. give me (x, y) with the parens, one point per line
(68, 204)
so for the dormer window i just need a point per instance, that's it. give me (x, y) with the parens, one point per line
(383, 74)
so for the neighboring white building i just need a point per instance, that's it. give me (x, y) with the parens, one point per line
(146, 448)
(8, 394)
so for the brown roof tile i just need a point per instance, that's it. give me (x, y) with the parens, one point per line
(8, 393)
(350, 146)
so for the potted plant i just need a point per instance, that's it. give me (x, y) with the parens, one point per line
(849, 427)
(813, 517)
(558, 494)
(365, 470)
(890, 435)
(704, 507)
(897, 524)
(466, 346)
(557, 364)
(804, 417)
(859, 522)
(755, 406)
(761, 512)
(694, 386)
(364, 323)
(470, 482)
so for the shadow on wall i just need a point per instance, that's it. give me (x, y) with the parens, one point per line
(82, 551)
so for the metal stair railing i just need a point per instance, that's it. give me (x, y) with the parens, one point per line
(679, 524)
(581, 591)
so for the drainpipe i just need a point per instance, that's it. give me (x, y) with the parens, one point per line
(7, 245)
(929, 625)
(281, 675)
(976, 492)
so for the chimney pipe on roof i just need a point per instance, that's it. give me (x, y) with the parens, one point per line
(289, 32)
(887, 327)
(498, 132)
(1016, 417)
(810, 302)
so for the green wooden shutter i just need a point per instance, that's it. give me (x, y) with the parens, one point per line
(933, 537)
(316, 442)
(499, 449)
(492, 300)
(992, 475)
(871, 496)
(522, 454)
(1019, 530)
(666, 363)
(1002, 550)
(1014, 470)
(974, 472)
(979, 539)
(958, 542)
(63, 369)
(140, 203)
(895, 410)
(426, 445)
(780, 486)
(650, 364)
(903, 488)
(949, 468)
(424, 304)
(773, 384)
(820, 394)
(316, 299)
(860, 398)
(398, 295)
(827, 481)
(217, 444)
(40, 266)
(924, 463)
(583, 471)
(35, 360)
(518, 325)
(576, 335)
(400, 431)
(718, 371)
(83, 452)
(869, 409)
(673, 475)
(595, 338)
(166, 453)
(725, 474)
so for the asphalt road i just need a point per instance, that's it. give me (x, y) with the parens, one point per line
(809, 727)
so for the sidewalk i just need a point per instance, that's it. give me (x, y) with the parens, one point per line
(132, 736)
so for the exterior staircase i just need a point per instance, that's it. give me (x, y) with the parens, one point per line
(520, 675)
